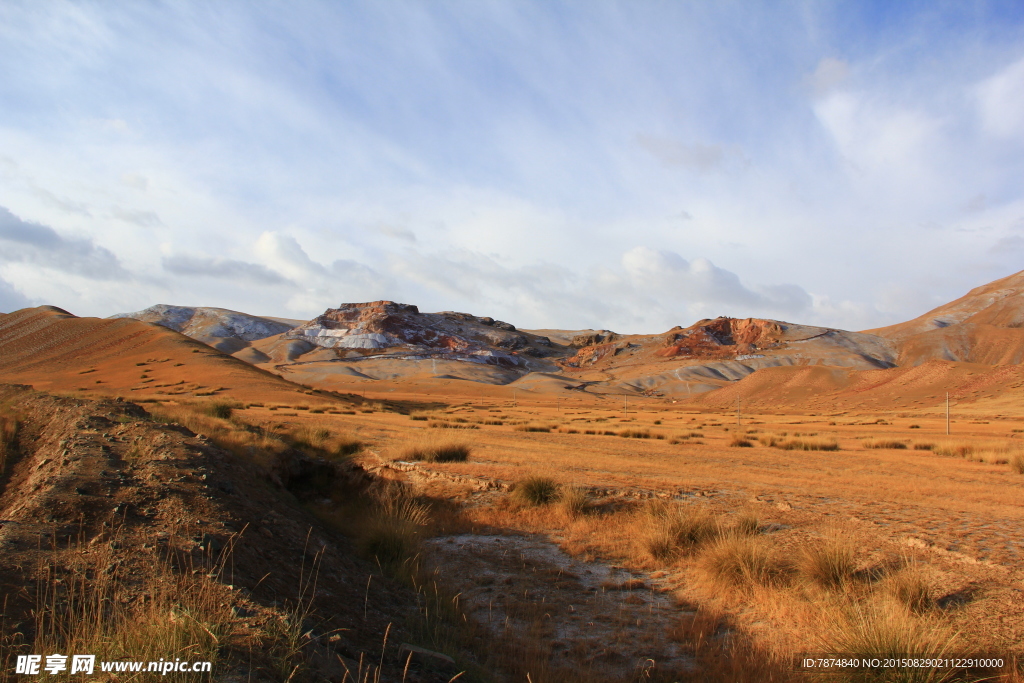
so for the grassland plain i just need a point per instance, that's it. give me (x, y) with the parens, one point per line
(931, 529)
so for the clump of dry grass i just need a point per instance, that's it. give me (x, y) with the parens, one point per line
(635, 433)
(9, 428)
(830, 563)
(436, 449)
(392, 531)
(909, 586)
(533, 428)
(954, 449)
(886, 630)
(536, 490)
(808, 445)
(574, 501)
(1016, 463)
(884, 443)
(743, 560)
(740, 442)
(669, 529)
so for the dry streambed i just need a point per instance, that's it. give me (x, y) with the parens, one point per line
(609, 622)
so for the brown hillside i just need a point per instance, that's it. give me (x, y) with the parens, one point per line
(983, 326)
(52, 349)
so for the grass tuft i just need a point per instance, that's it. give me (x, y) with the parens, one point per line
(1016, 463)
(436, 450)
(884, 443)
(740, 442)
(743, 561)
(536, 490)
(671, 529)
(831, 563)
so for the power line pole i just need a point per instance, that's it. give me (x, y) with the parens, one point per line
(625, 408)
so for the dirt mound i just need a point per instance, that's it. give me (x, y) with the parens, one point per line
(154, 514)
(52, 349)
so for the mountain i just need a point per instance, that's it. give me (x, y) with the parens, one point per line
(986, 325)
(225, 330)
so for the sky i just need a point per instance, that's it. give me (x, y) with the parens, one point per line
(612, 165)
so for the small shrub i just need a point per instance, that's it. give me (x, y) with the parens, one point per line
(536, 490)
(915, 426)
(740, 442)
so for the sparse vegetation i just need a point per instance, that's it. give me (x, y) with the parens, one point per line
(1016, 463)
(740, 442)
(635, 433)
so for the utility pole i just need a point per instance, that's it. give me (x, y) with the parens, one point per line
(625, 409)
(947, 413)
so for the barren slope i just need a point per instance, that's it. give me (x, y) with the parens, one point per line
(51, 349)
(983, 326)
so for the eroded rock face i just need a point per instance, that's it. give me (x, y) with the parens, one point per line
(722, 338)
(401, 328)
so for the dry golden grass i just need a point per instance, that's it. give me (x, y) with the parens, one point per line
(743, 561)
(1017, 463)
(433, 447)
(740, 442)
(667, 530)
(830, 563)
(9, 428)
(884, 443)
(536, 490)
(909, 586)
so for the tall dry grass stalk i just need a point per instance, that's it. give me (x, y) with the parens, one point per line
(435, 447)
(87, 610)
(391, 532)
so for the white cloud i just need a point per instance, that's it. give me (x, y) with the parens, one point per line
(1001, 102)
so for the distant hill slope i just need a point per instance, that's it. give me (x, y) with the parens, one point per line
(225, 330)
(52, 349)
(712, 353)
(984, 326)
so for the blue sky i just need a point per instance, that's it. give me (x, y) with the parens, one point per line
(630, 166)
